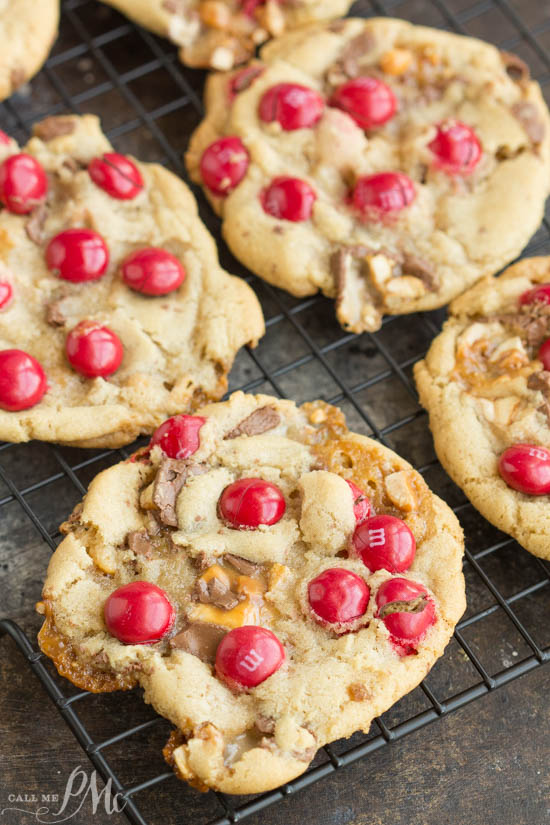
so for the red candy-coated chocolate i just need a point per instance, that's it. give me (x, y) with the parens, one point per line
(544, 354)
(369, 101)
(292, 105)
(152, 271)
(384, 543)
(383, 192)
(249, 502)
(117, 175)
(404, 625)
(243, 80)
(77, 255)
(138, 613)
(93, 350)
(526, 468)
(23, 183)
(456, 147)
(541, 293)
(179, 437)
(6, 294)
(22, 380)
(247, 656)
(5, 139)
(224, 164)
(361, 504)
(337, 595)
(291, 199)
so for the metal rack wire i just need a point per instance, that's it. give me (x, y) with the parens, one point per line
(149, 104)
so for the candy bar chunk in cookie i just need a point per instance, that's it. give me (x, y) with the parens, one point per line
(271, 580)
(27, 31)
(114, 310)
(220, 34)
(486, 385)
(375, 161)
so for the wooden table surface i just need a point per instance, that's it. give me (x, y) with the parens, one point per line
(487, 762)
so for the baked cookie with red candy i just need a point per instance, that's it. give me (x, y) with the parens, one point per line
(220, 34)
(486, 385)
(272, 581)
(386, 165)
(27, 32)
(114, 310)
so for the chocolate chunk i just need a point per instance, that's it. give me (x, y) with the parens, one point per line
(171, 477)
(355, 50)
(216, 592)
(540, 381)
(245, 79)
(54, 314)
(265, 724)
(421, 269)
(201, 639)
(516, 68)
(247, 568)
(204, 561)
(413, 606)
(52, 127)
(533, 324)
(266, 418)
(34, 226)
(140, 543)
(529, 117)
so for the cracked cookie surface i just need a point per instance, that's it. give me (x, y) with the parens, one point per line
(220, 34)
(27, 31)
(486, 388)
(177, 347)
(257, 533)
(419, 162)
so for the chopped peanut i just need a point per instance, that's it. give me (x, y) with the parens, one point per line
(380, 268)
(406, 287)
(400, 490)
(216, 14)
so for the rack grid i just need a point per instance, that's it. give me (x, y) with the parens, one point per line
(149, 104)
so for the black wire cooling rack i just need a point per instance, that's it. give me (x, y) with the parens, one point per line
(149, 104)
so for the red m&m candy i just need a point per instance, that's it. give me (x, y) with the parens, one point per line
(93, 350)
(404, 620)
(249, 502)
(138, 613)
(291, 199)
(293, 106)
(383, 192)
(152, 271)
(384, 543)
(544, 354)
(117, 175)
(456, 147)
(526, 468)
(223, 165)
(5, 139)
(23, 183)
(247, 656)
(361, 504)
(6, 294)
(22, 380)
(77, 255)
(369, 101)
(338, 596)
(179, 437)
(541, 293)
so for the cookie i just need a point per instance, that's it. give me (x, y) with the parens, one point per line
(27, 32)
(220, 34)
(486, 385)
(114, 311)
(386, 165)
(270, 579)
